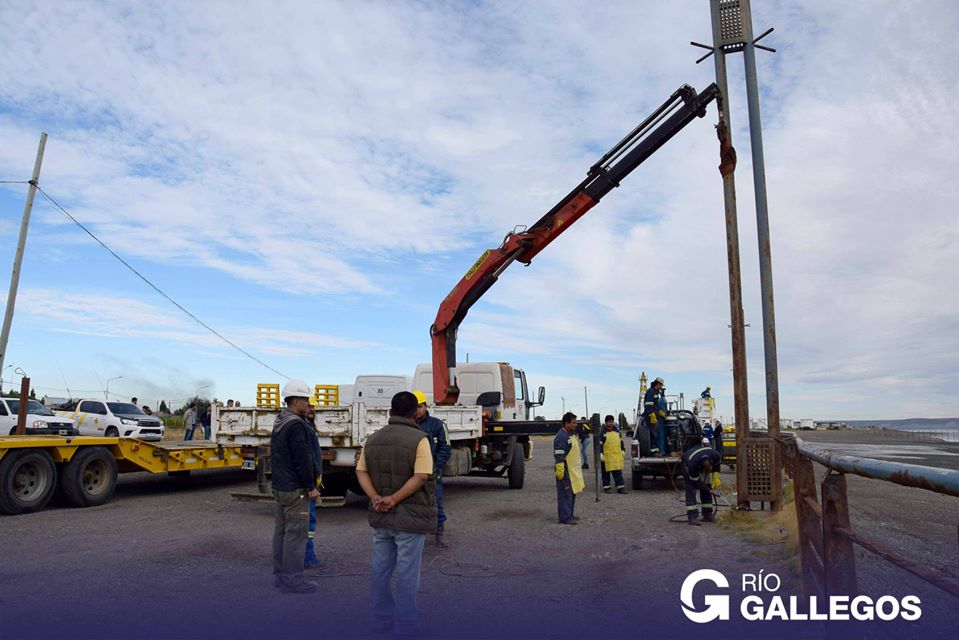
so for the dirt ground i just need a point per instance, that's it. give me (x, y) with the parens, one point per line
(178, 558)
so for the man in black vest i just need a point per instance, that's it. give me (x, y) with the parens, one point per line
(294, 486)
(395, 470)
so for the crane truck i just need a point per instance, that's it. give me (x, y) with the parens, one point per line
(489, 422)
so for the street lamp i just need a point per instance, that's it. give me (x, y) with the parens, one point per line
(196, 396)
(106, 393)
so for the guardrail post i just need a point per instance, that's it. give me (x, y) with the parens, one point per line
(809, 525)
(838, 561)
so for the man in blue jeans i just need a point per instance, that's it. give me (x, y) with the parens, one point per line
(394, 470)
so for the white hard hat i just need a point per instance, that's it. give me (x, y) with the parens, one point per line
(705, 442)
(659, 380)
(296, 389)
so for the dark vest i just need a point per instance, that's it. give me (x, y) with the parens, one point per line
(389, 455)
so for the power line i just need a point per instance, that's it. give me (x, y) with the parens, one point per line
(14, 182)
(157, 289)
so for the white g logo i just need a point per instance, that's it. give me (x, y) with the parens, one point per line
(716, 606)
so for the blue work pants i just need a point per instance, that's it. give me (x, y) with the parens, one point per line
(617, 477)
(565, 499)
(396, 553)
(705, 498)
(440, 511)
(584, 450)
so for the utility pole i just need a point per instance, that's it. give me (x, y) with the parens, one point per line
(732, 32)
(18, 256)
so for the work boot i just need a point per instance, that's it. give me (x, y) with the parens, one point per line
(574, 518)
(607, 489)
(382, 627)
(568, 522)
(620, 489)
(709, 517)
(586, 466)
(695, 522)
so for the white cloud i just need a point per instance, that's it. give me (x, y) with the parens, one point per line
(334, 145)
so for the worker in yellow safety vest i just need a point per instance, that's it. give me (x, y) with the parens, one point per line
(568, 469)
(613, 456)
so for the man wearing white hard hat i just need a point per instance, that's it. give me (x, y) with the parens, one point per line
(653, 414)
(294, 487)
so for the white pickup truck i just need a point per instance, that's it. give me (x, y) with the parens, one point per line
(40, 420)
(112, 419)
(489, 433)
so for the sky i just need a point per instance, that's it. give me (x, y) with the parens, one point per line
(311, 180)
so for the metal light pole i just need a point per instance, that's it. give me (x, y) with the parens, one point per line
(106, 392)
(18, 256)
(733, 31)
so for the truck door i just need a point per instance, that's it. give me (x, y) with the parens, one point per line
(519, 383)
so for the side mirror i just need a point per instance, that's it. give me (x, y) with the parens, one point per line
(542, 396)
(489, 399)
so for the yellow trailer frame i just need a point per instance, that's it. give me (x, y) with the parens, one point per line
(86, 467)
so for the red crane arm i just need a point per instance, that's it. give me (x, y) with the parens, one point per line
(523, 245)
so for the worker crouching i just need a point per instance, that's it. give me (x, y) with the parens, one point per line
(700, 475)
(568, 469)
(612, 457)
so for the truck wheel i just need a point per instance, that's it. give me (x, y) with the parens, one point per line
(90, 478)
(642, 434)
(335, 484)
(28, 478)
(517, 468)
(637, 481)
(112, 432)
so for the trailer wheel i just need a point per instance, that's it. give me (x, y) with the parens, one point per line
(637, 481)
(90, 478)
(28, 478)
(517, 468)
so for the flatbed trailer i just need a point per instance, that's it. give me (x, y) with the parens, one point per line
(85, 468)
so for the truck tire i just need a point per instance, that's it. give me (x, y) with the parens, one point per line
(637, 481)
(642, 434)
(111, 432)
(28, 478)
(335, 484)
(517, 468)
(90, 478)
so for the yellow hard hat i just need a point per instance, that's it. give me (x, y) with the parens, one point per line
(420, 397)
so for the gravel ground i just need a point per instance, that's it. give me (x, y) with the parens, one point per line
(178, 558)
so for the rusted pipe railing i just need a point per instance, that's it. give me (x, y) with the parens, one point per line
(825, 534)
(908, 475)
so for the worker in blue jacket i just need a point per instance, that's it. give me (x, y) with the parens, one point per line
(568, 469)
(700, 473)
(654, 413)
(439, 439)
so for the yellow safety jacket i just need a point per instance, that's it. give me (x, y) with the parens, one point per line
(574, 463)
(613, 451)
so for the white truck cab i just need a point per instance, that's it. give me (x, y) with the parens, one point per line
(112, 419)
(477, 378)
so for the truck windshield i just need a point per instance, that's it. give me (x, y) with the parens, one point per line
(124, 408)
(33, 406)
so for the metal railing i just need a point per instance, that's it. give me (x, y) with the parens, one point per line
(826, 536)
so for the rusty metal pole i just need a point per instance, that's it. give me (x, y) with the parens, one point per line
(22, 413)
(765, 251)
(737, 320)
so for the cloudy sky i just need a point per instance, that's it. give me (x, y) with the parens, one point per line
(311, 179)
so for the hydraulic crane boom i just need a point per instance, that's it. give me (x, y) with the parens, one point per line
(523, 245)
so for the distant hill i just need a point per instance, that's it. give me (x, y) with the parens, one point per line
(907, 423)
